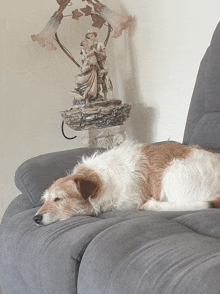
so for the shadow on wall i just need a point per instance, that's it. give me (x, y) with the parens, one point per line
(142, 122)
(142, 119)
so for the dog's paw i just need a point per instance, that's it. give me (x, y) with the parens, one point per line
(151, 204)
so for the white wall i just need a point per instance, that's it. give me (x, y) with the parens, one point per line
(166, 45)
(153, 67)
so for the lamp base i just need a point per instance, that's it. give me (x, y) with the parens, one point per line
(96, 115)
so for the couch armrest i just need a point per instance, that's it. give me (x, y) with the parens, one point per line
(18, 205)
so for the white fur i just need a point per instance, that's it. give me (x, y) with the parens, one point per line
(120, 170)
(187, 184)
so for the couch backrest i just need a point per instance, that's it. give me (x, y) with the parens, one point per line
(203, 121)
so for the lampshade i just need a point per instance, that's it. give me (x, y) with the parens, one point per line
(46, 37)
(117, 22)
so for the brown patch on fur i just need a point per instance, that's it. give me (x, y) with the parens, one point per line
(88, 182)
(215, 203)
(68, 196)
(158, 158)
(66, 184)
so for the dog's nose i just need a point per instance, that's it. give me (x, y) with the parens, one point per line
(37, 219)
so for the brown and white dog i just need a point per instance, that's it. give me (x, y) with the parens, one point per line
(167, 177)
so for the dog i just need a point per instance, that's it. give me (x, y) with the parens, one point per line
(164, 177)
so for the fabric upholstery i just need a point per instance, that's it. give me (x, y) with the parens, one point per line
(118, 252)
(203, 121)
(167, 253)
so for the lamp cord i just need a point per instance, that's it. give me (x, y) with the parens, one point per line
(62, 129)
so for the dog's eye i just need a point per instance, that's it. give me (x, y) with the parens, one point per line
(57, 199)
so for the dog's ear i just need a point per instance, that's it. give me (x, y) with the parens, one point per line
(87, 182)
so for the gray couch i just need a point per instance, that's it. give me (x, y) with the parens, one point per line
(127, 252)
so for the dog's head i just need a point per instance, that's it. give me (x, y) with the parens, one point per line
(69, 196)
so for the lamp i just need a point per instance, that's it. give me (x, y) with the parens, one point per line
(91, 106)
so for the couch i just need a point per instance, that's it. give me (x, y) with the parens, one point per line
(118, 252)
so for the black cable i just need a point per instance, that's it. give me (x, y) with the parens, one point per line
(62, 129)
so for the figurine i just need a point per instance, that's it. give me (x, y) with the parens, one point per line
(100, 51)
(94, 76)
(92, 107)
(87, 81)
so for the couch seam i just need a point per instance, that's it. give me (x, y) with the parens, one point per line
(194, 230)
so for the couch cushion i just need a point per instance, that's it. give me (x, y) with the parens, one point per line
(206, 99)
(162, 252)
(169, 253)
(35, 175)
